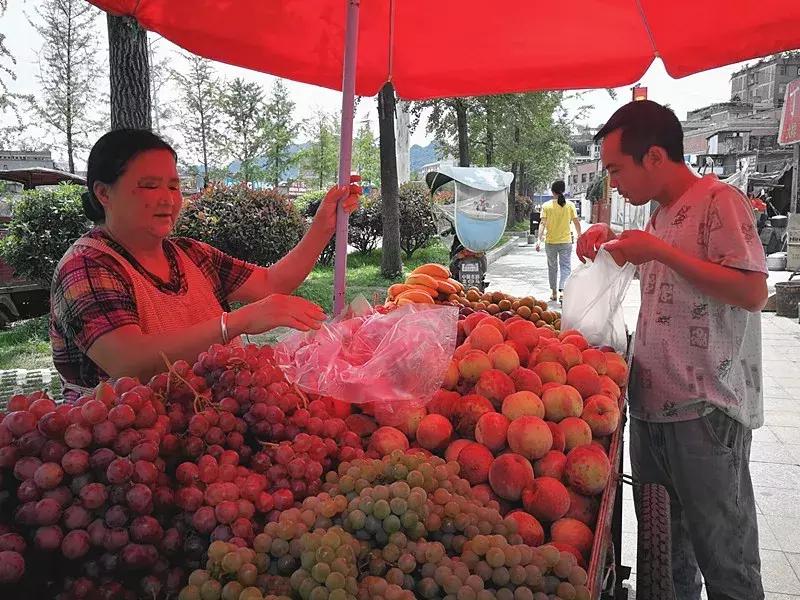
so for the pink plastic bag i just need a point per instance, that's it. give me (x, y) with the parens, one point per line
(397, 359)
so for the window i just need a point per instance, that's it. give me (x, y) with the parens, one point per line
(782, 70)
(583, 177)
(591, 176)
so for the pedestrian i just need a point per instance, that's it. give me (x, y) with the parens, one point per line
(557, 216)
(695, 390)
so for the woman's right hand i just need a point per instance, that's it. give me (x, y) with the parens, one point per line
(277, 310)
(592, 239)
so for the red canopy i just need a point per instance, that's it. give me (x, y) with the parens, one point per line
(439, 48)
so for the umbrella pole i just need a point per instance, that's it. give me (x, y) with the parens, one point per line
(345, 150)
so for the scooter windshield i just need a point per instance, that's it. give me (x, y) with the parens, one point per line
(480, 216)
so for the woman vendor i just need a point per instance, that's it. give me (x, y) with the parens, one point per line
(126, 292)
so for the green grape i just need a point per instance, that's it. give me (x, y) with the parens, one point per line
(566, 590)
(356, 519)
(318, 593)
(391, 524)
(211, 590)
(466, 593)
(578, 576)
(483, 570)
(441, 574)
(523, 593)
(395, 576)
(337, 595)
(495, 557)
(335, 581)
(501, 576)
(563, 567)
(381, 509)
(428, 588)
(505, 594)
(198, 577)
(231, 590)
(485, 595)
(415, 479)
(581, 592)
(398, 506)
(407, 563)
(452, 584)
(320, 571)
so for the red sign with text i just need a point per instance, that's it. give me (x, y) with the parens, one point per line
(790, 118)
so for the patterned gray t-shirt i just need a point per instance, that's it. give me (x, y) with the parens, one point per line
(693, 353)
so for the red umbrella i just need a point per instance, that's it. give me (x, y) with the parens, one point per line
(439, 48)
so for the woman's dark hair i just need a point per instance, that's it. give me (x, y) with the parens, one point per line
(108, 160)
(558, 189)
(645, 124)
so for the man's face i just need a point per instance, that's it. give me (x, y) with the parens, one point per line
(636, 182)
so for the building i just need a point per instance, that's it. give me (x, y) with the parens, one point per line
(582, 173)
(22, 159)
(764, 83)
(435, 166)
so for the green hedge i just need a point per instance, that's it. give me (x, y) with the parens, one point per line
(260, 226)
(44, 223)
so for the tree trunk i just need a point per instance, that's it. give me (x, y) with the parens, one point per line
(463, 136)
(489, 136)
(130, 79)
(511, 218)
(391, 258)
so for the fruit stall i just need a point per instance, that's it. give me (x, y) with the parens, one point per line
(232, 479)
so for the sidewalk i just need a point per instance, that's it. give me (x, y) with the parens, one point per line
(775, 454)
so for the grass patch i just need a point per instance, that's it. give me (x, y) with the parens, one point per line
(364, 275)
(523, 225)
(26, 345)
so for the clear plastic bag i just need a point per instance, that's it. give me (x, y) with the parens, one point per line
(397, 360)
(593, 298)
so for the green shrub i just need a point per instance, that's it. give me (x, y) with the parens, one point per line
(417, 222)
(44, 224)
(259, 226)
(366, 225)
(306, 204)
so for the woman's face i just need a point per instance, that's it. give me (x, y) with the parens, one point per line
(146, 200)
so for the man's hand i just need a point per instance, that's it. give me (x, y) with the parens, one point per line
(636, 247)
(348, 196)
(538, 246)
(591, 241)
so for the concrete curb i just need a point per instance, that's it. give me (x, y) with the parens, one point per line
(493, 255)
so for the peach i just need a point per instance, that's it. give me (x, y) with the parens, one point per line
(529, 437)
(617, 368)
(549, 385)
(528, 528)
(361, 424)
(467, 412)
(576, 340)
(547, 333)
(522, 351)
(609, 388)
(562, 547)
(550, 371)
(385, 440)
(461, 351)
(584, 379)
(419, 451)
(574, 533)
(471, 321)
(583, 508)
(443, 402)
(483, 337)
(473, 364)
(405, 419)
(475, 460)
(434, 432)
(509, 475)
(523, 332)
(550, 465)
(587, 470)
(601, 444)
(494, 385)
(496, 323)
(533, 355)
(602, 415)
(484, 494)
(559, 443)
(451, 376)
(562, 402)
(456, 446)
(526, 380)
(546, 499)
(520, 404)
(551, 353)
(570, 356)
(491, 431)
(568, 332)
(576, 432)
(504, 358)
(595, 358)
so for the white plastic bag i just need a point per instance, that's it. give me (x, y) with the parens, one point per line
(593, 298)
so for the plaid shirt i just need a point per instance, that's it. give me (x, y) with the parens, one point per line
(92, 295)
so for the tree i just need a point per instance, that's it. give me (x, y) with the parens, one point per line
(448, 115)
(281, 131)
(129, 73)
(67, 71)
(9, 101)
(160, 78)
(241, 135)
(366, 155)
(199, 90)
(391, 258)
(321, 158)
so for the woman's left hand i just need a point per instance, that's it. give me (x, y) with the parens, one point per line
(347, 196)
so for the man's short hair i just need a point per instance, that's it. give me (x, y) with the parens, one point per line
(645, 124)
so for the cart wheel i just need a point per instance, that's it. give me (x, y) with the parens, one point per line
(654, 549)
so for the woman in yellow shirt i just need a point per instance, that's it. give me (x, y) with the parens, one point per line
(557, 215)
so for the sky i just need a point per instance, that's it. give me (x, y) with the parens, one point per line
(684, 94)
